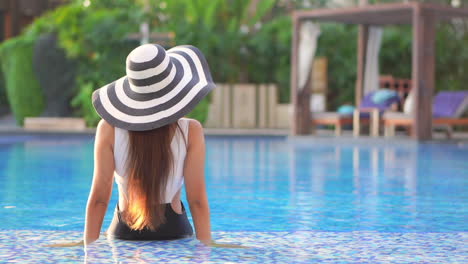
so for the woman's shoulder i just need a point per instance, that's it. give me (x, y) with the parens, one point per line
(195, 129)
(105, 130)
(193, 124)
(104, 126)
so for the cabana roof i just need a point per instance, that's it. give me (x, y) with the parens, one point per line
(382, 14)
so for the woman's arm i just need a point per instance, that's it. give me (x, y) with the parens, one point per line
(101, 188)
(194, 173)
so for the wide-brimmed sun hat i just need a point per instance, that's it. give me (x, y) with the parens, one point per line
(160, 87)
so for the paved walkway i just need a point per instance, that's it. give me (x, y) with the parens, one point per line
(8, 125)
(8, 122)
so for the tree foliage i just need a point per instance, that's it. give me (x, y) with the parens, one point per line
(243, 40)
(95, 38)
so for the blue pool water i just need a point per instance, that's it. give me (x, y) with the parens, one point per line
(288, 201)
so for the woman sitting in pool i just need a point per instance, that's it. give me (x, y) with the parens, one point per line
(145, 143)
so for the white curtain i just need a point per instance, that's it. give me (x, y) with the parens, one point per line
(308, 36)
(371, 72)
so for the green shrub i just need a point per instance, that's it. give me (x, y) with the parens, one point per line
(200, 112)
(239, 45)
(23, 90)
(82, 101)
(4, 106)
(270, 58)
(95, 38)
(395, 54)
(338, 43)
(56, 75)
(452, 58)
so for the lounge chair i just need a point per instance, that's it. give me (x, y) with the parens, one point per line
(447, 110)
(367, 111)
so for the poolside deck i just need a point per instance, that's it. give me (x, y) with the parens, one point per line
(8, 126)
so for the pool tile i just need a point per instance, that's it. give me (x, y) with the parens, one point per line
(27, 246)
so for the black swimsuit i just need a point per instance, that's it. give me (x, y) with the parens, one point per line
(176, 226)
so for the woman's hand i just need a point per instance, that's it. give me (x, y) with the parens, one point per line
(212, 243)
(89, 241)
(68, 244)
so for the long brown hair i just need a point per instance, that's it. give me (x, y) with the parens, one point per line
(149, 163)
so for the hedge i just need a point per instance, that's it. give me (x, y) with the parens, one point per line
(4, 106)
(23, 90)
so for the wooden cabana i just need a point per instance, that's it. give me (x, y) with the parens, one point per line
(422, 16)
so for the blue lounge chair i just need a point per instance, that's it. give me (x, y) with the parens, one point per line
(447, 111)
(364, 112)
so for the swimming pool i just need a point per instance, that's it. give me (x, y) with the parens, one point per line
(288, 201)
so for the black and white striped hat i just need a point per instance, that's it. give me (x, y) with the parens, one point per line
(160, 87)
